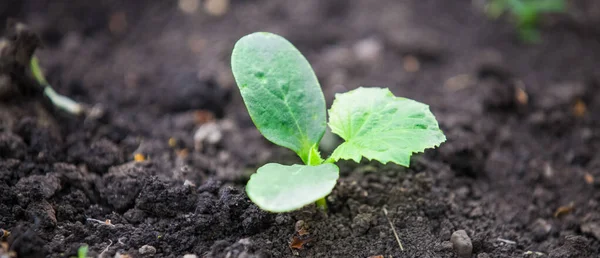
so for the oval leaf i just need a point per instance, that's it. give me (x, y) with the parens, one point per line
(281, 92)
(377, 125)
(280, 188)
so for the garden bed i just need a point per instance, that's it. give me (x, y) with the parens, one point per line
(520, 172)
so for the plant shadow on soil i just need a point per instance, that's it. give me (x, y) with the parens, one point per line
(522, 121)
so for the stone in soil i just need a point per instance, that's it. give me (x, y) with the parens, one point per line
(462, 244)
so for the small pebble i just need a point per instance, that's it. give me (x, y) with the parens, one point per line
(147, 249)
(190, 256)
(216, 7)
(368, 50)
(188, 6)
(207, 133)
(462, 244)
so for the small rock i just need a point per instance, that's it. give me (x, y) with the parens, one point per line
(147, 249)
(188, 6)
(368, 50)
(592, 228)
(462, 244)
(207, 133)
(540, 229)
(216, 7)
(190, 256)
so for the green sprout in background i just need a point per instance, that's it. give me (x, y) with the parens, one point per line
(58, 100)
(526, 14)
(286, 103)
(82, 251)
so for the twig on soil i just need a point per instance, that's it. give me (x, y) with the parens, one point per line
(101, 255)
(107, 222)
(393, 229)
(510, 242)
(564, 210)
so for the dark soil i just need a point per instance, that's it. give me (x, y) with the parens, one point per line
(520, 171)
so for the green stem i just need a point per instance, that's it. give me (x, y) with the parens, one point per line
(314, 159)
(322, 204)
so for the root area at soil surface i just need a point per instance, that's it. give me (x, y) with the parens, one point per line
(161, 170)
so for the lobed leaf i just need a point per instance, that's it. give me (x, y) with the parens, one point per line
(280, 188)
(377, 125)
(281, 92)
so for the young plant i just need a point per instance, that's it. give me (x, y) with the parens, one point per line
(58, 100)
(526, 14)
(82, 251)
(286, 103)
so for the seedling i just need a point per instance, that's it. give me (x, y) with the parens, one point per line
(82, 251)
(526, 14)
(286, 103)
(58, 100)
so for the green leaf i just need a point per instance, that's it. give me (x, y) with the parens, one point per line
(377, 125)
(82, 251)
(281, 92)
(280, 188)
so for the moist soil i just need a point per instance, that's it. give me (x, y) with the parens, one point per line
(520, 172)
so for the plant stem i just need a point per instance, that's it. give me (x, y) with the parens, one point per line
(322, 204)
(314, 159)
